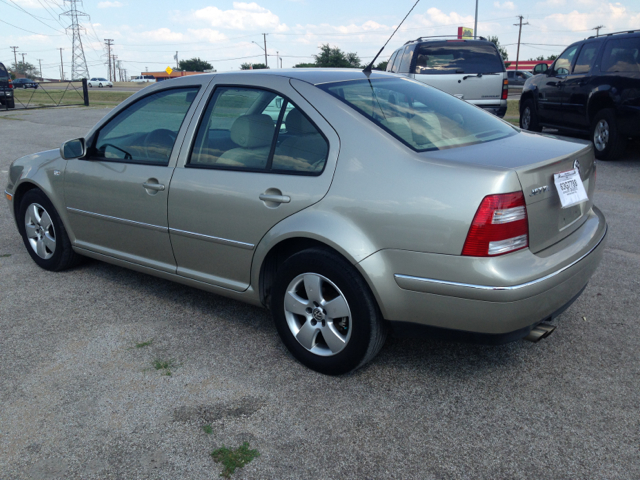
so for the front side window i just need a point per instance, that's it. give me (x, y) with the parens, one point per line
(563, 63)
(422, 117)
(457, 56)
(146, 131)
(257, 130)
(622, 55)
(586, 58)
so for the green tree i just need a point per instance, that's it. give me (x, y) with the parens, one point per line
(336, 58)
(381, 66)
(552, 57)
(24, 68)
(254, 66)
(503, 51)
(305, 65)
(194, 65)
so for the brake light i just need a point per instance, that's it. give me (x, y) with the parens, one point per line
(11, 84)
(500, 226)
(505, 89)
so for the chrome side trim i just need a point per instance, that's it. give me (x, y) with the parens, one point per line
(209, 238)
(123, 221)
(501, 289)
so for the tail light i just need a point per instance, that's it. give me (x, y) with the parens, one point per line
(505, 89)
(11, 84)
(500, 226)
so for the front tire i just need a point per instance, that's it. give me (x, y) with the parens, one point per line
(529, 117)
(43, 233)
(325, 312)
(607, 141)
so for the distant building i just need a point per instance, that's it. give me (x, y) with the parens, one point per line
(160, 76)
(526, 64)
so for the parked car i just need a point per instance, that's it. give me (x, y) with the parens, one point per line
(24, 83)
(518, 77)
(592, 88)
(99, 82)
(370, 201)
(6, 88)
(144, 79)
(471, 70)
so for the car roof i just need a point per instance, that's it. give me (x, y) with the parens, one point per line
(314, 76)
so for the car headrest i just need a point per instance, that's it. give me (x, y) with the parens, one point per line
(253, 131)
(298, 124)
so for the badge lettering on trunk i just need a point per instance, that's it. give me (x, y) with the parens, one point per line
(537, 190)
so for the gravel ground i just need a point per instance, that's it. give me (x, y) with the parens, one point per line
(78, 400)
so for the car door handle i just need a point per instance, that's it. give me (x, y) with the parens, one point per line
(153, 186)
(275, 198)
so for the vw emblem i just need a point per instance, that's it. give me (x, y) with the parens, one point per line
(576, 164)
(318, 314)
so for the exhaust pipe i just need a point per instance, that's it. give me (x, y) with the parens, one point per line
(541, 331)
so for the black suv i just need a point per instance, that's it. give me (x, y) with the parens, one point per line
(6, 88)
(593, 87)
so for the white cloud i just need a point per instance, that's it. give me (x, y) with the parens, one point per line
(110, 4)
(162, 35)
(212, 36)
(510, 5)
(615, 15)
(29, 3)
(243, 16)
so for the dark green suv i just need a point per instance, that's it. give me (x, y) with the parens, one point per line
(592, 88)
(6, 88)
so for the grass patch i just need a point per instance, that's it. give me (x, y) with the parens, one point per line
(144, 344)
(513, 107)
(165, 366)
(58, 96)
(5, 255)
(208, 429)
(233, 459)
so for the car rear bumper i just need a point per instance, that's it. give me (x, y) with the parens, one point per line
(495, 295)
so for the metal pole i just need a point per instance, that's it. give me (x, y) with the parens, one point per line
(519, 33)
(40, 62)
(109, 43)
(475, 23)
(61, 66)
(265, 50)
(15, 56)
(177, 67)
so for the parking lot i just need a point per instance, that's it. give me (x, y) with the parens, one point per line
(81, 397)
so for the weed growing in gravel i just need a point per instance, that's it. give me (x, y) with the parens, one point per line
(208, 429)
(5, 255)
(164, 365)
(144, 344)
(232, 459)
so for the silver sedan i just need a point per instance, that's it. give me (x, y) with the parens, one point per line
(347, 203)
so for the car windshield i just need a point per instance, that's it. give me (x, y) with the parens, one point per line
(457, 57)
(420, 116)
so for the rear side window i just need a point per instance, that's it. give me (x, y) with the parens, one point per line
(396, 62)
(621, 55)
(457, 57)
(391, 60)
(586, 58)
(405, 60)
(3, 71)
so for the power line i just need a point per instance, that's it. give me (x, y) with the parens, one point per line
(29, 31)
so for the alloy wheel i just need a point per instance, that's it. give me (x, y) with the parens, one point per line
(318, 315)
(526, 118)
(40, 231)
(601, 135)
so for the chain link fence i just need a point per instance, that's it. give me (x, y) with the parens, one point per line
(46, 95)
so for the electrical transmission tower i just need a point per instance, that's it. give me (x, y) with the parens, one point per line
(79, 67)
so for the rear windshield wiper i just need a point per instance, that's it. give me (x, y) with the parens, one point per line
(479, 75)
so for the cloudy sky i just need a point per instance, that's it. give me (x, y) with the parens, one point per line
(146, 34)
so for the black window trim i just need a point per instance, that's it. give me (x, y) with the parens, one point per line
(270, 171)
(96, 134)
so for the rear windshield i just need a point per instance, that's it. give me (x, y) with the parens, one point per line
(457, 57)
(3, 72)
(420, 116)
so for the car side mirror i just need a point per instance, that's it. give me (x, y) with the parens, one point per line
(72, 149)
(540, 68)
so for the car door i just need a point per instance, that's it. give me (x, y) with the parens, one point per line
(116, 196)
(550, 92)
(259, 153)
(576, 89)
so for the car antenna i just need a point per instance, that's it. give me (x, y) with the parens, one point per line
(367, 69)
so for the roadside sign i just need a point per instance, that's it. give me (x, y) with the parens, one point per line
(169, 70)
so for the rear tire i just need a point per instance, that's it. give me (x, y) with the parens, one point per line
(43, 233)
(529, 117)
(325, 312)
(607, 141)
(11, 103)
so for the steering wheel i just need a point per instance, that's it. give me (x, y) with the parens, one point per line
(159, 143)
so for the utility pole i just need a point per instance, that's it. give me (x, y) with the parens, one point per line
(109, 42)
(176, 57)
(265, 49)
(519, 33)
(115, 57)
(597, 29)
(23, 54)
(61, 66)
(277, 58)
(40, 62)
(475, 22)
(15, 56)
(79, 67)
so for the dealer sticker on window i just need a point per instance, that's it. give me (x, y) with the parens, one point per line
(570, 188)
